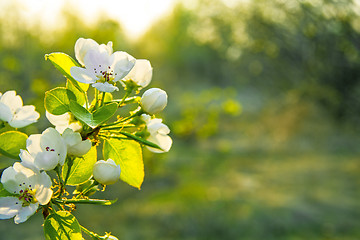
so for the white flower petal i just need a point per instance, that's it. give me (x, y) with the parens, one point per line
(158, 127)
(24, 175)
(26, 212)
(33, 144)
(105, 87)
(75, 126)
(141, 73)
(58, 120)
(28, 161)
(43, 189)
(62, 122)
(145, 117)
(97, 60)
(70, 137)
(82, 46)
(24, 116)
(163, 141)
(121, 63)
(83, 75)
(5, 113)
(12, 100)
(107, 48)
(51, 140)
(8, 207)
(81, 148)
(75, 145)
(9, 181)
(46, 160)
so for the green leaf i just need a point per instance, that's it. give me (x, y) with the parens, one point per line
(96, 118)
(3, 192)
(57, 100)
(63, 63)
(11, 142)
(62, 225)
(126, 153)
(80, 96)
(81, 169)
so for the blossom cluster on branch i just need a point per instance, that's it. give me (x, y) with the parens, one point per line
(85, 119)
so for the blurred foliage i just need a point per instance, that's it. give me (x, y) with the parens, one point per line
(263, 107)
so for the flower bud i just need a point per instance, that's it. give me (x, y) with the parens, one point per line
(153, 100)
(106, 172)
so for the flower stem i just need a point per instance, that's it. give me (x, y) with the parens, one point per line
(102, 99)
(117, 127)
(127, 93)
(86, 190)
(86, 201)
(127, 100)
(90, 233)
(96, 99)
(61, 183)
(58, 205)
(137, 112)
(139, 139)
(86, 100)
(70, 162)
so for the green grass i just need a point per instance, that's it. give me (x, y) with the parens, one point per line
(195, 194)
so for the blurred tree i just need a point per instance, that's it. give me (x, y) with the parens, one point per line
(272, 46)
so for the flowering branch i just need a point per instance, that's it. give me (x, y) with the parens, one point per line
(80, 129)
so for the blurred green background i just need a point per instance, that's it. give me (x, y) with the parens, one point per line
(264, 108)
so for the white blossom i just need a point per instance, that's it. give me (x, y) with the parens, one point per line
(47, 150)
(75, 145)
(82, 46)
(106, 172)
(154, 100)
(13, 111)
(29, 188)
(64, 121)
(141, 73)
(158, 134)
(102, 67)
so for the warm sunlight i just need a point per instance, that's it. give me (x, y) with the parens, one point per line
(136, 16)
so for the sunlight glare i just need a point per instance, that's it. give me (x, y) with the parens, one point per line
(135, 16)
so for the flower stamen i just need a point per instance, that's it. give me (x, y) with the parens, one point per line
(27, 196)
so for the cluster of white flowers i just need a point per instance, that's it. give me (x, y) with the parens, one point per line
(27, 181)
(26, 186)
